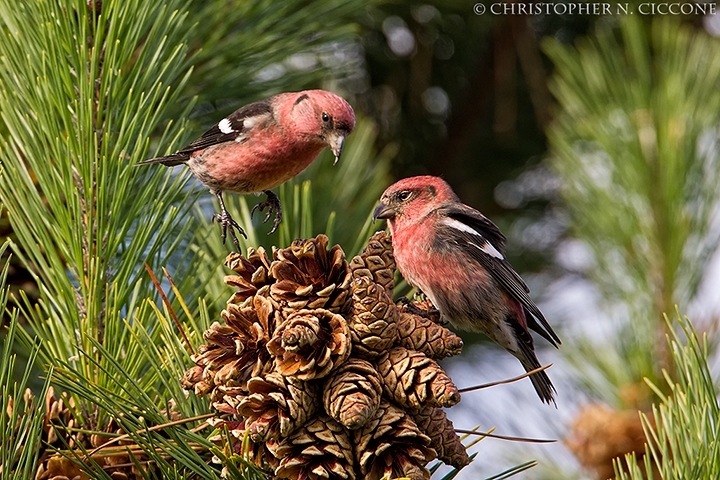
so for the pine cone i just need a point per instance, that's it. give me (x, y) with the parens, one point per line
(238, 443)
(310, 343)
(194, 379)
(235, 351)
(413, 380)
(62, 429)
(225, 399)
(57, 413)
(391, 444)
(373, 326)
(253, 273)
(426, 336)
(58, 467)
(377, 262)
(310, 276)
(433, 422)
(320, 449)
(277, 405)
(56, 424)
(352, 393)
(65, 430)
(599, 434)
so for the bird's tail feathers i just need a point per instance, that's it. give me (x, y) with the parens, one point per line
(544, 331)
(541, 382)
(168, 161)
(528, 359)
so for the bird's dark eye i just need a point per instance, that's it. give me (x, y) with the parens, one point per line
(404, 195)
(325, 117)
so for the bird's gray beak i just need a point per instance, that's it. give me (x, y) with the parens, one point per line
(336, 142)
(383, 212)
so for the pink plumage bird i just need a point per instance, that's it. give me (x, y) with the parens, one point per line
(263, 145)
(456, 256)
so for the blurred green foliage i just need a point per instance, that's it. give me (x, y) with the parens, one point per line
(635, 146)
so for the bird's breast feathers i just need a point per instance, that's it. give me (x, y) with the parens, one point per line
(259, 164)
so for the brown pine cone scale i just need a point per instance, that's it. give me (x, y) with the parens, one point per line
(413, 380)
(352, 393)
(426, 336)
(434, 423)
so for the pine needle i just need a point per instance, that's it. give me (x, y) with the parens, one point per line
(503, 382)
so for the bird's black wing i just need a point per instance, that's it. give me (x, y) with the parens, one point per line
(478, 222)
(231, 128)
(464, 227)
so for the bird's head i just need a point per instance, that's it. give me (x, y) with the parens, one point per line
(323, 116)
(412, 199)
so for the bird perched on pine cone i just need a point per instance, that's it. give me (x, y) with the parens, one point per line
(263, 145)
(456, 256)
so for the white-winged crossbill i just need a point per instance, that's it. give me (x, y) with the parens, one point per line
(456, 256)
(263, 145)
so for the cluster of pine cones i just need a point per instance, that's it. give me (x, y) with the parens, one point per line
(322, 372)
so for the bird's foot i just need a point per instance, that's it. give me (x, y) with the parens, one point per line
(431, 313)
(272, 203)
(419, 296)
(225, 221)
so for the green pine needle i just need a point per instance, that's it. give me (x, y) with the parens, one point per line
(682, 430)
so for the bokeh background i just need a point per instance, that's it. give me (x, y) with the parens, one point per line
(591, 140)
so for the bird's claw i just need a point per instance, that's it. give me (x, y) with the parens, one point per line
(272, 203)
(418, 296)
(225, 221)
(433, 314)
